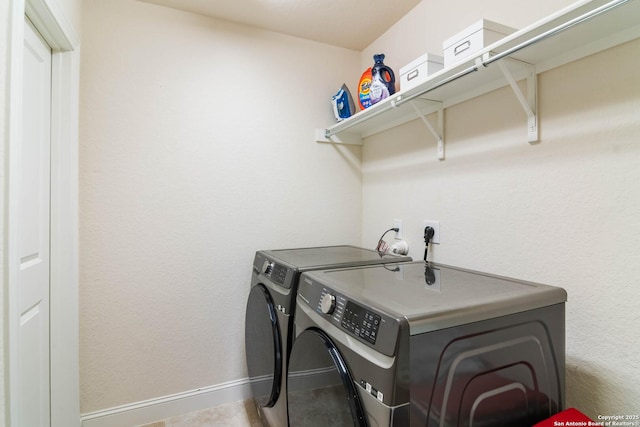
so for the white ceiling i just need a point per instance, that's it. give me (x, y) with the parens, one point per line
(353, 24)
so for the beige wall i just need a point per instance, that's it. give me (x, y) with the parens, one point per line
(73, 13)
(197, 149)
(563, 212)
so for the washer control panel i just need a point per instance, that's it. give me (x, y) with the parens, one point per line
(331, 304)
(371, 327)
(327, 303)
(361, 322)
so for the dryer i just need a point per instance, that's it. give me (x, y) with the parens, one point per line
(422, 344)
(269, 321)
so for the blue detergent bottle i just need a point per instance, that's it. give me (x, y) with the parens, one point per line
(383, 80)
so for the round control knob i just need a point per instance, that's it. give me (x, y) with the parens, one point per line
(328, 303)
(267, 267)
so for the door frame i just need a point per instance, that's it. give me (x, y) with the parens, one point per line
(51, 22)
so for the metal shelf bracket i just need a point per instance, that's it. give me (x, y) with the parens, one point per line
(528, 103)
(438, 133)
(344, 138)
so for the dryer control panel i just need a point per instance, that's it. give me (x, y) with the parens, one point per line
(277, 273)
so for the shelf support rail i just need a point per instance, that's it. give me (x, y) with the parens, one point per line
(556, 30)
(323, 135)
(528, 103)
(438, 133)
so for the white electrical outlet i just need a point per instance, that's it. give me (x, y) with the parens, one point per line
(397, 223)
(436, 228)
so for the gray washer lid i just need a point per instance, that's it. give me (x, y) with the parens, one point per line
(457, 296)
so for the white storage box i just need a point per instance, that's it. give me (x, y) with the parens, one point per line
(419, 69)
(472, 39)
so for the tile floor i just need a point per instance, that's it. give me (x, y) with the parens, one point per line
(237, 414)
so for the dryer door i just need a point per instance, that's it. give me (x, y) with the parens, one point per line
(263, 346)
(320, 389)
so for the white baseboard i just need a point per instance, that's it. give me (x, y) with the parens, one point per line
(161, 408)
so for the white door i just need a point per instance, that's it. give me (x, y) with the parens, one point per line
(33, 234)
